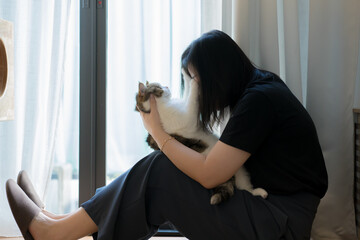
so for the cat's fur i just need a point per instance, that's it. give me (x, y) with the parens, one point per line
(180, 119)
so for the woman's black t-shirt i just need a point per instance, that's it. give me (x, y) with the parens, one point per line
(270, 123)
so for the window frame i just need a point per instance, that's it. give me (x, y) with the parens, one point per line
(92, 136)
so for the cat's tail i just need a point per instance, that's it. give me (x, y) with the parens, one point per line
(223, 192)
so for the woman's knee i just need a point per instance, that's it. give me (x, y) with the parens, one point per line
(164, 172)
(162, 165)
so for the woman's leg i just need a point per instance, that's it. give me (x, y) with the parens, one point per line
(154, 192)
(74, 226)
(54, 216)
(174, 197)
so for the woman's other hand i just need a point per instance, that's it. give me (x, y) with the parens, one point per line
(151, 120)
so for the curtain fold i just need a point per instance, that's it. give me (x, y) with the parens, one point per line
(357, 84)
(333, 55)
(314, 47)
(28, 142)
(254, 28)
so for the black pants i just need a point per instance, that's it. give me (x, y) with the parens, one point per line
(154, 192)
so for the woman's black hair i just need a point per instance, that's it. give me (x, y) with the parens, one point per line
(224, 71)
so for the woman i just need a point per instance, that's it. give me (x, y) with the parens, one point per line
(269, 132)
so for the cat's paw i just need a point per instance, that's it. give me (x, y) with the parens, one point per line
(260, 192)
(215, 199)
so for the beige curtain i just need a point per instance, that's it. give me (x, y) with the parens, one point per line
(314, 47)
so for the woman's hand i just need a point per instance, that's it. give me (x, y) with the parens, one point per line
(151, 120)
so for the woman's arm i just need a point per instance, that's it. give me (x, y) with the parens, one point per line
(217, 167)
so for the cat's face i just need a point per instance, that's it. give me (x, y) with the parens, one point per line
(143, 95)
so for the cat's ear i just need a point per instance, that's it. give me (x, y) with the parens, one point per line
(147, 83)
(141, 88)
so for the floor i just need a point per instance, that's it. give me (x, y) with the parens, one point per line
(90, 238)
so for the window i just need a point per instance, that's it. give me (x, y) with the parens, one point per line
(145, 40)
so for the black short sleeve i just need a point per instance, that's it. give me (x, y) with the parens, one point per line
(271, 124)
(251, 122)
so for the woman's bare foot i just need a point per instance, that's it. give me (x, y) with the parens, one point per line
(41, 227)
(74, 226)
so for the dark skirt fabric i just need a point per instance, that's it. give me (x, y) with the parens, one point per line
(154, 192)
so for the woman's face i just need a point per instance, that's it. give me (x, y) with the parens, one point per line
(193, 73)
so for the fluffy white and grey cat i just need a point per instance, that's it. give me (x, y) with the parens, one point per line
(180, 118)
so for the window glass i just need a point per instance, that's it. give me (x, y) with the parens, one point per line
(145, 40)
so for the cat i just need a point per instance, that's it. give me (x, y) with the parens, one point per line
(180, 118)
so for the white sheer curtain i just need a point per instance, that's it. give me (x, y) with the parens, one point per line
(145, 43)
(314, 47)
(44, 58)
